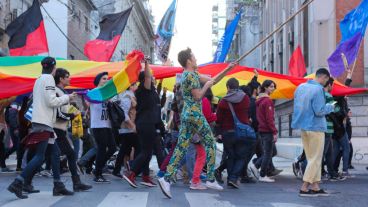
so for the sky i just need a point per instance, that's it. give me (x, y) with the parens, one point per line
(193, 27)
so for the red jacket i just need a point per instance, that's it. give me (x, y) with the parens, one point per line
(207, 110)
(266, 114)
(225, 119)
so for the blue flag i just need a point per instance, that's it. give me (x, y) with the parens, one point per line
(165, 31)
(225, 41)
(352, 28)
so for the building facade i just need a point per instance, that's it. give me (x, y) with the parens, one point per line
(218, 22)
(248, 32)
(138, 33)
(82, 27)
(316, 31)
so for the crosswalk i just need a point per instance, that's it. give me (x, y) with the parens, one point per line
(134, 199)
(42, 199)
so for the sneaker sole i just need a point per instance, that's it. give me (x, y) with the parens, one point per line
(234, 185)
(323, 195)
(214, 188)
(164, 192)
(194, 188)
(308, 195)
(148, 184)
(107, 182)
(130, 182)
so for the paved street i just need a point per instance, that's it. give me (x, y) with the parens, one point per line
(352, 193)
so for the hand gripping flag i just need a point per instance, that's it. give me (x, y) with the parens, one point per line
(352, 29)
(120, 81)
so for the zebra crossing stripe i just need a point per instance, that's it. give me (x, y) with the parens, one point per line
(136, 199)
(289, 205)
(206, 199)
(42, 199)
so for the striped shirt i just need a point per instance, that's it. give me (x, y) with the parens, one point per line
(329, 99)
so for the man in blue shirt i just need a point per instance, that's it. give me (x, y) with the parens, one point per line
(310, 109)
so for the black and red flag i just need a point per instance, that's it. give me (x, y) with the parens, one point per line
(112, 25)
(27, 33)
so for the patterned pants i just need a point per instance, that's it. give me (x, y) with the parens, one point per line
(190, 126)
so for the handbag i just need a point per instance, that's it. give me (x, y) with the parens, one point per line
(242, 131)
(116, 114)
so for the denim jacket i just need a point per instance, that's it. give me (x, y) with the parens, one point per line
(310, 107)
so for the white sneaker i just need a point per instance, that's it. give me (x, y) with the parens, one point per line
(214, 185)
(254, 170)
(266, 179)
(197, 186)
(165, 187)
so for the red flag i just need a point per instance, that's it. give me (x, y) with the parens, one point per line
(102, 48)
(27, 33)
(297, 65)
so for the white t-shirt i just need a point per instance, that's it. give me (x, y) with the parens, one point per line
(99, 115)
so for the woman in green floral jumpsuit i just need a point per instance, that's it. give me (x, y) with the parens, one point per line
(192, 122)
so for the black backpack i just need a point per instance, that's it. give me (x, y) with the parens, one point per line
(116, 114)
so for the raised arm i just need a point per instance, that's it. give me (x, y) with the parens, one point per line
(147, 73)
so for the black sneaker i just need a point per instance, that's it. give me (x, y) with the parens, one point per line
(247, 179)
(320, 192)
(233, 184)
(116, 174)
(295, 166)
(274, 173)
(100, 179)
(308, 193)
(218, 177)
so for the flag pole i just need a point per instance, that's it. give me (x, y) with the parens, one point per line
(223, 73)
(356, 58)
(346, 64)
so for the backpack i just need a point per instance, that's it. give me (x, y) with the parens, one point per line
(116, 114)
(242, 131)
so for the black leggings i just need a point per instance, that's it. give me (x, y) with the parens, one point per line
(66, 149)
(127, 141)
(146, 135)
(2, 150)
(104, 139)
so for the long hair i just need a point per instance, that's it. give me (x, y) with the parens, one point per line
(266, 84)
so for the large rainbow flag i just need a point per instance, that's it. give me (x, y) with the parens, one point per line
(17, 76)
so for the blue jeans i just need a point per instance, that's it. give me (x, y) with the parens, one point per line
(38, 159)
(237, 150)
(91, 153)
(342, 144)
(76, 145)
(190, 159)
(267, 147)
